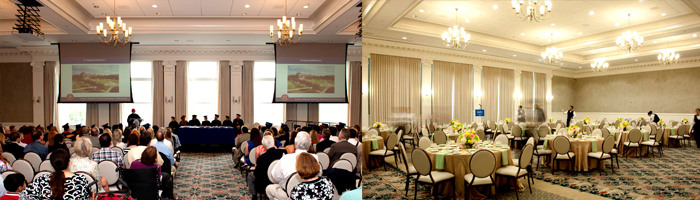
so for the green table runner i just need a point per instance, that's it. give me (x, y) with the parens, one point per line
(594, 145)
(374, 144)
(504, 156)
(440, 160)
(673, 131)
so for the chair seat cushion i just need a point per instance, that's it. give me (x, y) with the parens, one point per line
(511, 170)
(597, 155)
(510, 136)
(650, 143)
(614, 151)
(437, 177)
(632, 144)
(519, 138)
(477, 180)
(412, 170)
(564, 157)
(407, 137)
(381, 152)
(540, 146)
(676, 136)
(543, 152)
(686, 136)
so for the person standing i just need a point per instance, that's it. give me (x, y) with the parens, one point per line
(206, 121)
(228, 122)
(194, 121)
(570, 114)
(653, 117)
(696, 127)
(238, 123)
(521, 114)
(134, 119)
(216, 121)
(173, 125)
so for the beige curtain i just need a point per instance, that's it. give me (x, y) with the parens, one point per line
(464, 86)
(526, 88)
(313, 112)
(247, 93)
(355, 101)
(115, 113)
(443, 80)
(394, 85)
(506, 86)
(92, 114)
(181, 88)
(50, 97)
(158, 102)
(489, 88)
(541, 91)
(224, 88)
(291, 113)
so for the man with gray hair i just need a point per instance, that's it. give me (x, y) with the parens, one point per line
(287, 166)
(94, 133)
(263, 163)
(342, 147)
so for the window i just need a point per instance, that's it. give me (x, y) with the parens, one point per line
(202, 89)
(264, 87)
(142, 91)
(335, 112)
(71, 113)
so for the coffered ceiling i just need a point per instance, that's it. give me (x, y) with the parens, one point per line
(583, 30)
(188, 8)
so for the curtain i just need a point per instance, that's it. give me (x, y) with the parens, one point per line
(526, 88)
(489, 88)
(291, 113)
(92, 114)
(506, 86)
(313, 112)
(355, 110)
(443, 80)
(49, 92)
(115, 113)
(464, 86)
(224, 88)
(541, 91)
(180, 88)
(247, 103)
(158, 102)
(394, 85)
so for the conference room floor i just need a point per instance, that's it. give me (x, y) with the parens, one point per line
(209, 176)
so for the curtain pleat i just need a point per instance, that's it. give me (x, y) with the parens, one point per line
(506, 86)
(224, 88)
(115, 113)
(443, 79)
(464, 86)
(313, 112)
(355, 110)
(92, 114)
(49, 93)
(541, 91)
(158, 102)
(526, 88)
(247, 93)
(394, 87)
(181, 88)
(489, 87)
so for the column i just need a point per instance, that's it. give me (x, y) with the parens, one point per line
(365, 89)
(517, 93)
(169, 90)
(38, 92)
(478, 94)
(549, 94)
(427, 91)
(236, 87)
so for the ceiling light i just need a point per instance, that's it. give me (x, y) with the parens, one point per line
(562, 63)
(414, 16)
(695, 35)
(96, 6)
(579, 67)
(484, 50)
(553, 24)
(635, 60)
(466, 20)
(580, 33)
(247, 6)
(654, 42)
(154, 6)
(515, 55)
(552, 55)
(663, 14)
(535, 10)
(522, 33)
(404, 38)
(599, 65)
(285, 30)
(495, 6)
(110, 35)
(668, 56)
(591, 13)
(641, 0)
(617, 24)
(306, 6)
(244, 14)
(298, 14)
(104, 14)
(629, 41)
(157, 13)
(421, 10)
(456, 37)
(74, 40)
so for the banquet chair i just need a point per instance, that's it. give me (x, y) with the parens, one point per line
(426, 175)
(10, 157)
(678, 136)
(634, 138)
(562, 148)
(653, 129)
(597, 132)
(25, 168)
(481, 133)
(48, 156)
(505, 128)
(115, 149)
(93, 151)
(604, 132)
(352, 158)
(492, 128)
(110, 171)
(517, 134)
(520, 170)
(424, 142)
(38, 174)
(46, 166)
(541, 152)
(248, 168)
(686, 135)
(579, 124)
(503, 139)
(387, 151)
(474, 125)
(269, 172)
(561, 131)
(323, 159)
(293, 180)
(34, 159)
(440, 137)
(543, 131)
(608, 144)
(482, 166)
(425, 132)
(372, 132)
(8, 172)
(691, 132)
(674, 123)
(650, 144)
(343, 164)
(409, 135)
(410, 169)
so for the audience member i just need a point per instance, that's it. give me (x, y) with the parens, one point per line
(136, 151)
(313, 186)
(26, 134)
(14, 184)
(61, 184)
(81, 162)
(174, 139)
(4, 164)
(167, 143)
(282, 137)
(238, 153)
(49, 138)
(36, 146)
(285, 167)
(326, 143)
(292, 140)
(353, 137)
(342, 147)
(263, 163)
(148, 160)
(255, 140)
(334, 134)
(117, 139)
(58, 143)
(315, 137)
(164, 148)
(106, 153)
(14, 146)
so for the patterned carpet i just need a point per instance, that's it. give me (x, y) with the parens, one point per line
(209, 176)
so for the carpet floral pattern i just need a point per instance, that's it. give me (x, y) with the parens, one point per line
(209, 176)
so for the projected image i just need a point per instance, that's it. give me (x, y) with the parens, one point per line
(310, 79)
(95, 79)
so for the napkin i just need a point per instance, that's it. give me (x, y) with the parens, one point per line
(594, 145)
(504, 156)
(374, 144)
(440, 160)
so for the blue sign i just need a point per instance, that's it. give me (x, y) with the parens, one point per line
(479, 112)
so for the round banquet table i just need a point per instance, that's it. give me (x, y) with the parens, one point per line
(670, 130)
(369, 145)
(623, 140)
(581, 148)
(458, 164)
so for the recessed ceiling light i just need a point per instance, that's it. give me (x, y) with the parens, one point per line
(695, 35)
(154, 6)
(539, 59)
(515, 55)
(495, 6)
(641, 0)
(579, 67)
(562, 63)
(421, 10)
(663, 14)
(157, 13)
(617, 24)
(298, 14)
(96, 6)
(75, 40)
(522, 33)
(404, 38)
(654, 42)
(466, 20)
(580, 33)
(104, 14)
(635, 60)
(247, 6)
(306, 6)
(553, 24)
(591, 13)
(549, 40)
(484, 50)
(330, 40)
(414, 16)
(244, 14)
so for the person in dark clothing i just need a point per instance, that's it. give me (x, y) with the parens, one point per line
(13, 147)
(238, 123)
(570, 114)
(206, 121)
(173, 125)
(696, 127)
(194, 121)
(326, 143)
(257, 185)
(133, 118)
(183, 120)
(216, 121)
(654, 117)
(58, 143)
(539, 114)
(228, 122)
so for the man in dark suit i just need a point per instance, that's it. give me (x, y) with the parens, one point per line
(570, 114)
(228, 122)
(342, 147)
(238, 123)
(326, 143)
(13, 147)
(194, 121)
(653, 117)
(216, 121)
(173, 125)
(257, 185)
(206, 121)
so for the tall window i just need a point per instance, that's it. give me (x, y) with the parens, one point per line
(142, 91)
(72, 113)
(264, 87)
(202, 89)
(335, 112)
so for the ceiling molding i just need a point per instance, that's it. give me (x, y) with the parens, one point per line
(640, 67)
(330, 17)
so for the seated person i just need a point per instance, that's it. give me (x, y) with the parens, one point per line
(163, 148)
(14, 184)
(238, 153)
(353, 137)
(135, 152)
(106, 153)
(291, 148)
(148, 160)
(13, 147)
(58, 143)
(283, 169)
(313, 186)
(255, 140)
(263, 163)
(81, 162)
(117, 139)
(334, 134)
(36, 146)
(342, 147)
(61, 184)
(326, 143)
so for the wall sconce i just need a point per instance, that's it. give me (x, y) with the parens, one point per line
(550, 97)
(518, 95)
(169, 100)
(236, 99)
(478, 94)
(38, 99)
(426, 91)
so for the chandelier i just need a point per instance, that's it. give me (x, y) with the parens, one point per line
(111, 36)
(629, 41)
(599, 65)
(536, 10)
(455, 37)
(552, 55)
(285, 30)
(668, 56)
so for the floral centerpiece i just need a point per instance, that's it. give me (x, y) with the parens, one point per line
(456, 126)
(641, 118)
(469, 138)
(662, 123)
(623, 125)
(587, 120)
(378, 125)
(619, 119)
(684, 121)
(551, 119)
(508, 120)
(573, 131)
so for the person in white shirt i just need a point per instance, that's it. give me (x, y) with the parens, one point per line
(353, 137)
(286, 167)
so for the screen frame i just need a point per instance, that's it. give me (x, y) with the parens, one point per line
(345, 78)
(131, 92)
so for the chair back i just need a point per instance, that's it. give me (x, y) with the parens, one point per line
(269, 170)
(251, 155)
(46, 166)
(109, 170)
(481, 134)
(424, 131)
(502, 138)
(561, 131)
(372, 132)
(34, 159)
(516, 131)
(293, 180)
(7, 173)
(506, 128)
(604, 132)
(117, 149)
(391, 142)
(492, 125)
(543, 131)
(10, 157)
(25, 168)
(682, 131)
(482, 164)
(424, 142)
(142, 182)
(635, 136)
(608, 144)
(323, 159)
(597, 132)
(421, 161)
(440, 137)
(48, 156)
(531, 141)
(562, 145)
(674, 122)
(343, 164)
(474, 125)
(403, 153)
(647, 129)
(579, 124)
(38, 174)
(350, 157)
(526, 156)
(407, 129)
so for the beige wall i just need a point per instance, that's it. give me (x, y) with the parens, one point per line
(563, 91)
(16, 92)
(668, 91)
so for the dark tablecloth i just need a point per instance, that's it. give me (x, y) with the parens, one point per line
(207, 135)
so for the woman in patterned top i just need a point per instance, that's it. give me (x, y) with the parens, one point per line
(313, 187)
(60, 184)
(4, 163)
(82, 162)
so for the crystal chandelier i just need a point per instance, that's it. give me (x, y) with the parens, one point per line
(668, 56)
(455, 37)
(111, 36)
(285, 30)
(551, 55)
(629, 41)
(599, 65)
(536, 10)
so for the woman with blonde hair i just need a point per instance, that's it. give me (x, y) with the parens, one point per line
(313, 186)
(117, 139)
(82, 162)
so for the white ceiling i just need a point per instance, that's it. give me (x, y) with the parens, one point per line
(188, 8)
